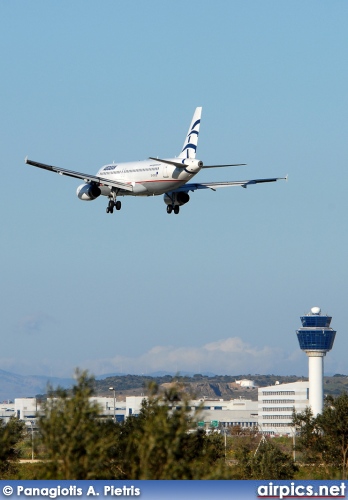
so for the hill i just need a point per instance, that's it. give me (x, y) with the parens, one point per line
(216, 386)
(199, 386)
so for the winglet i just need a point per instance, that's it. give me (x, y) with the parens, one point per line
(26, 159)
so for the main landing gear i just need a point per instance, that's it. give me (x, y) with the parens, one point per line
(113, 204)
(170, 209)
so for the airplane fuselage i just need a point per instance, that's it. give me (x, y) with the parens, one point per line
(148, 177)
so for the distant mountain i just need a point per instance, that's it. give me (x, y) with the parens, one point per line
(25, 386)
(182, 374)
(202, 385)
(107, 375)
(161, 373)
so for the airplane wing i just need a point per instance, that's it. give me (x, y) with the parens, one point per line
(216, 185)
(100, 181)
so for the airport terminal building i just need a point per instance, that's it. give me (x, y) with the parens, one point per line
(241, 412)
(271, 414)
(276, 404)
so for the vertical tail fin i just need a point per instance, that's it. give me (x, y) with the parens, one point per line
(190, 144)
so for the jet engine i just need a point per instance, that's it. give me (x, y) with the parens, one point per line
(88, 192)
(193, 166)
(176, 198)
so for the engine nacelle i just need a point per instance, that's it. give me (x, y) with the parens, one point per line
(192, 165)
(176, 198)
(88, 192)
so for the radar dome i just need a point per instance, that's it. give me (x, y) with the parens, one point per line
(316, 310)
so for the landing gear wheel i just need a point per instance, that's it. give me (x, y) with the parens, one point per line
(118, 205)
(169, 209)
(110, 207)
(176, 209)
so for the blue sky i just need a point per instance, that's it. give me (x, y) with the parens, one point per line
(220, 287)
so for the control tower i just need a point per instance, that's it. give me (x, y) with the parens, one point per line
(316, 338)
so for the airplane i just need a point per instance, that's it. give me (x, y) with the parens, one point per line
(155, 176)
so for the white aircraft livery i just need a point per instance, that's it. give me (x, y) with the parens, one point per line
(170, 177)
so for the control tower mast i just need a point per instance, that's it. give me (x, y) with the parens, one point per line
(316, 338)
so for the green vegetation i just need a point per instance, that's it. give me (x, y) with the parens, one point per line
(77, 444)
(158, 444)
(164, 442)
(336, 385)
(10, 435)
(268, 461)
(323, 440)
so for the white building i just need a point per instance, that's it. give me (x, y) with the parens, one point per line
(241, 412)
(249, 384)
(26, 408)
(106, 405)
(276, 404)
(7, 410)
(133, 405)
(272, 413)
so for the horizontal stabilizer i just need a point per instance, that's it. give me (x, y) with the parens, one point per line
(170, 162)
(183, 165)
(229, 165)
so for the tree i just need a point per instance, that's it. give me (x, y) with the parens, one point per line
(309, 439)
(333, 424)
(267, 462)
(157, 444)
(324, 439)
(10, 434)
(78, 445)
(161, 444)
